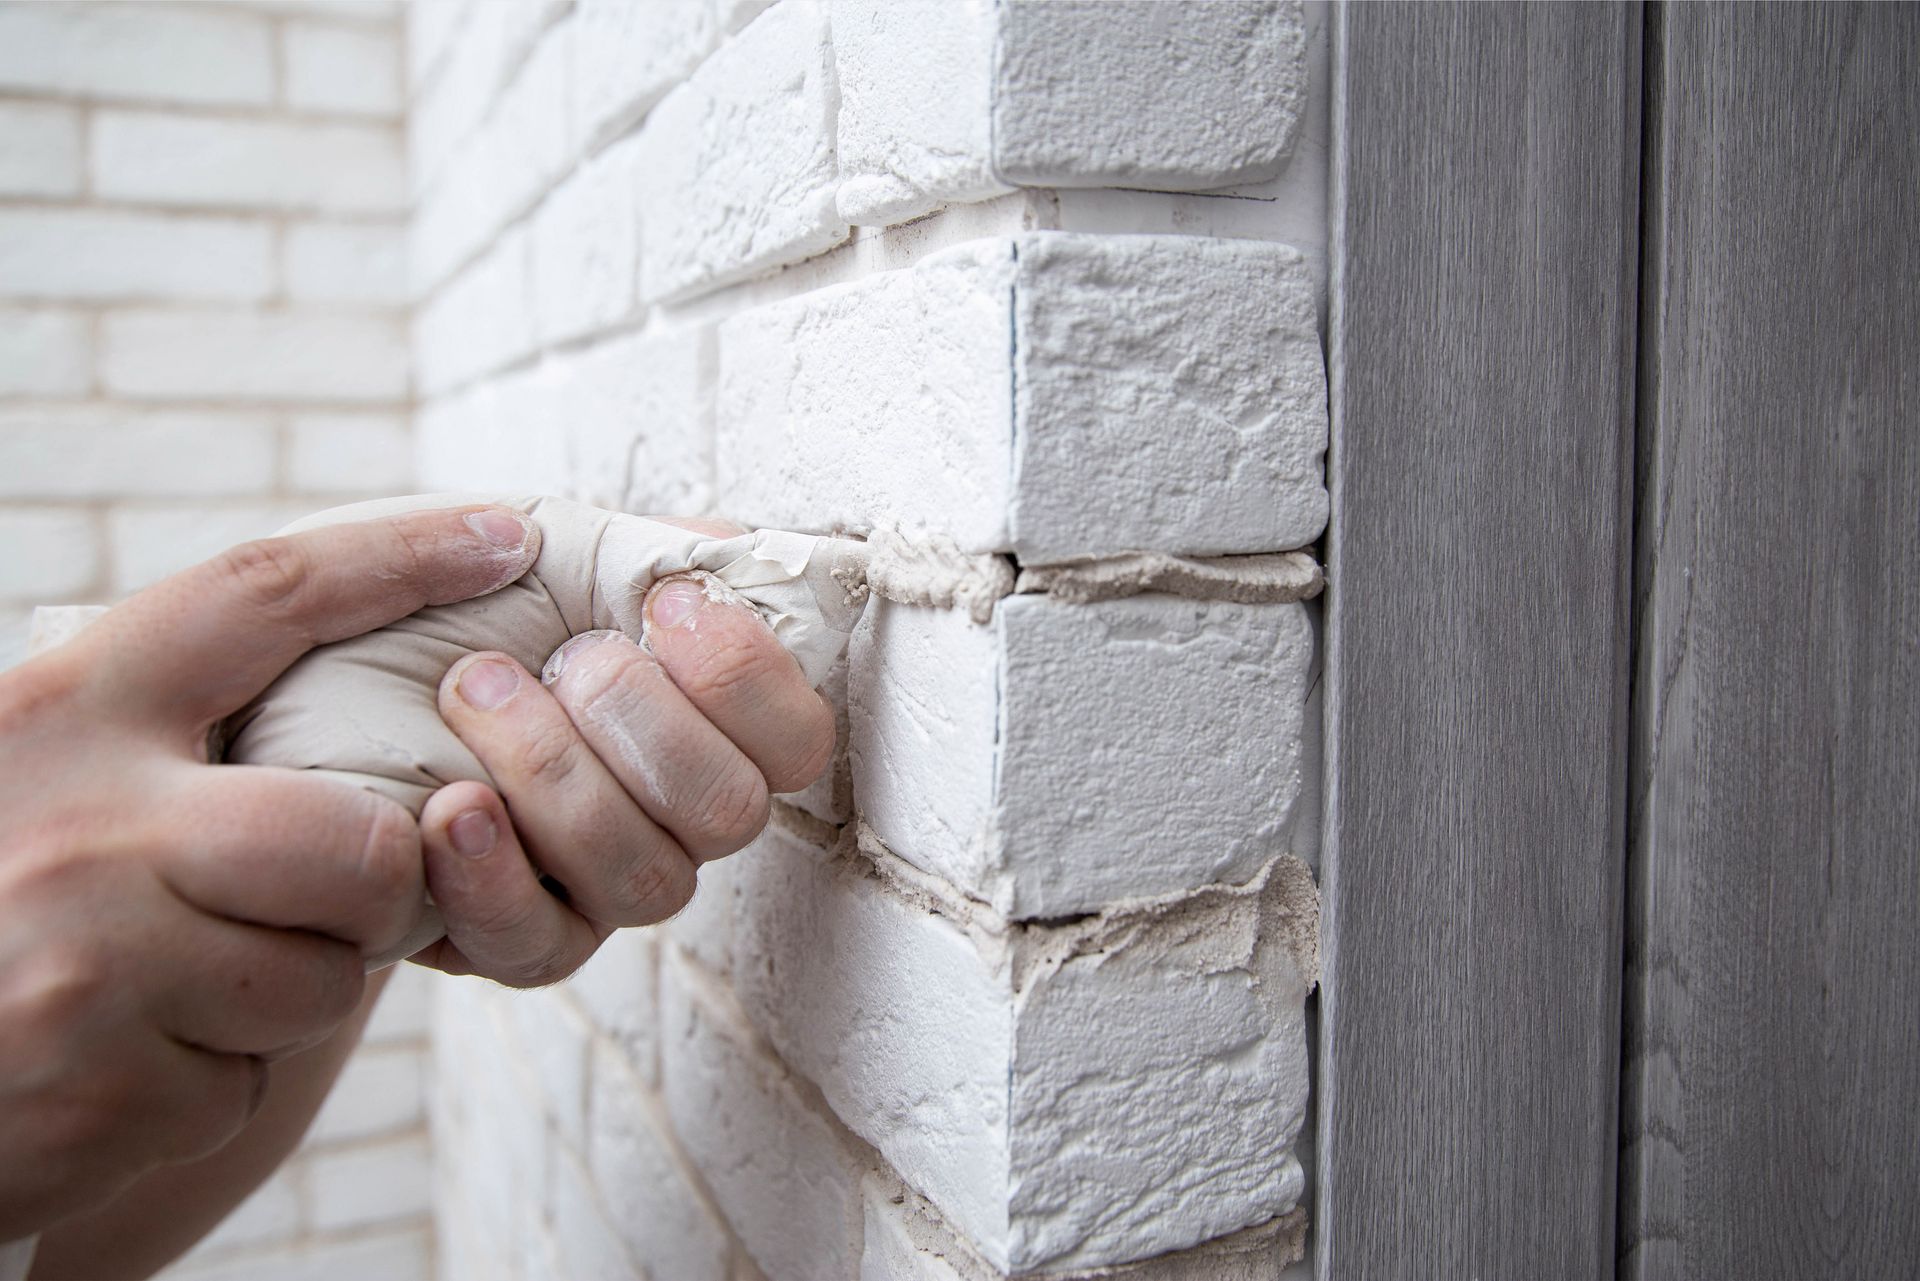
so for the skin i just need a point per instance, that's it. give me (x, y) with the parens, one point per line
(181, 943)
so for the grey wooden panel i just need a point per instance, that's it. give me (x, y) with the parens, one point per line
(1771, 1113)
(1486, 170)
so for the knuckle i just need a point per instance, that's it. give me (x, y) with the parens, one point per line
(655, 890)
(269, 574)
(731, 670)
(541, 967)
(732, 809)
(806, 752)
(549, 753)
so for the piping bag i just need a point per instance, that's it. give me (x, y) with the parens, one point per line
(365, 710)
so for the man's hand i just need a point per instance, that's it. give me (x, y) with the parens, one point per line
(621, 770)
(168, 927)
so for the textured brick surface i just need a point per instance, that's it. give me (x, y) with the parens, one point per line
(44, 352)
(39, 149)
(111, 254)
(204, 55)
(740, 159)
(1052, 395)
(203, 160)
(237, 355)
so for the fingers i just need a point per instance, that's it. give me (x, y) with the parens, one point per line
(578, 820)
(501, 921)
(728, 663)
(245, 989)
(684, 772)
(281, 848)
(199, 645)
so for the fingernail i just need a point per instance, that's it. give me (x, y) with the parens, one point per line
(558, 660)
(503, 529)
(488, 683)
(675, 602)
(473, 833)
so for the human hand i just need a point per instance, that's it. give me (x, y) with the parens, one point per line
(619, 771)
(168, 927)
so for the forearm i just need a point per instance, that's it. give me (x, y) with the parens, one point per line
(161, 1217)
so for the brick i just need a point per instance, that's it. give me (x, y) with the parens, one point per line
(379, 1092)
(270, 1214)
(349, 453)
(149, 543)
(246, 355)
(1175, 97)
(39, 149)
(704, 928)
(402, 1255)
(583, 1244)
(1070, 756)
(495, 437)
(403, 1013)
(203, 55)
(553, 1038)
(736, 14)
(636, 419)
(351, 70)
(916, 101)
(111, 255)
(893, 1250)
(51, 552)
(790, 1183)
(44, 353)
(482, 320)
(346, 262)
(430, 29)
(740, 159)
(357, 1187)
(1161, 392)
(665, 1224)
(616, 989)
(585, 248)
(980, 1058)
(15, 627)
(280, 165)
(627, 56)
(98, 452)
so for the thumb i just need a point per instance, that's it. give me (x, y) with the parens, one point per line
(198, 646)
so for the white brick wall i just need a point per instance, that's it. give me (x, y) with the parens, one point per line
(1020, 990)
(846, 264)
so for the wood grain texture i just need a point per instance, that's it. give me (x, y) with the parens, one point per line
(1771, 1114)
(1486, 171)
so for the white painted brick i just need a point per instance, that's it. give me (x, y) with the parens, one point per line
(627, 55)
(740, 159)
(553, 1039)
(450, 106)
(50, 552)
(202, 55)
(403, 1255)
(244, 355)
(380, 1183)
(787, 1179)
(403, 1013)
(380, 1091)
(666, 1225)
(89, 452)
(493, 438)
(984, 1063)
(916, 101)
(1168, 96)
(704, 928)
(346, 262)
(585, 248)
(478, 323)
(430, 28)
(148, 543)
(1070, 756)
(347, 453)
(39, 149)
(352, 70)
(15, 626)
(891, 1252)
(583, 1244)
(1159, 392)
(616, 988)
(109, 254)
(637, 422)
(528, 140)
(44, 353)
(270, 1214)
(736, 14)
(202, 161)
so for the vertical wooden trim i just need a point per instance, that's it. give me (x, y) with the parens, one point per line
(1481, 358)
(1773, 1077)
